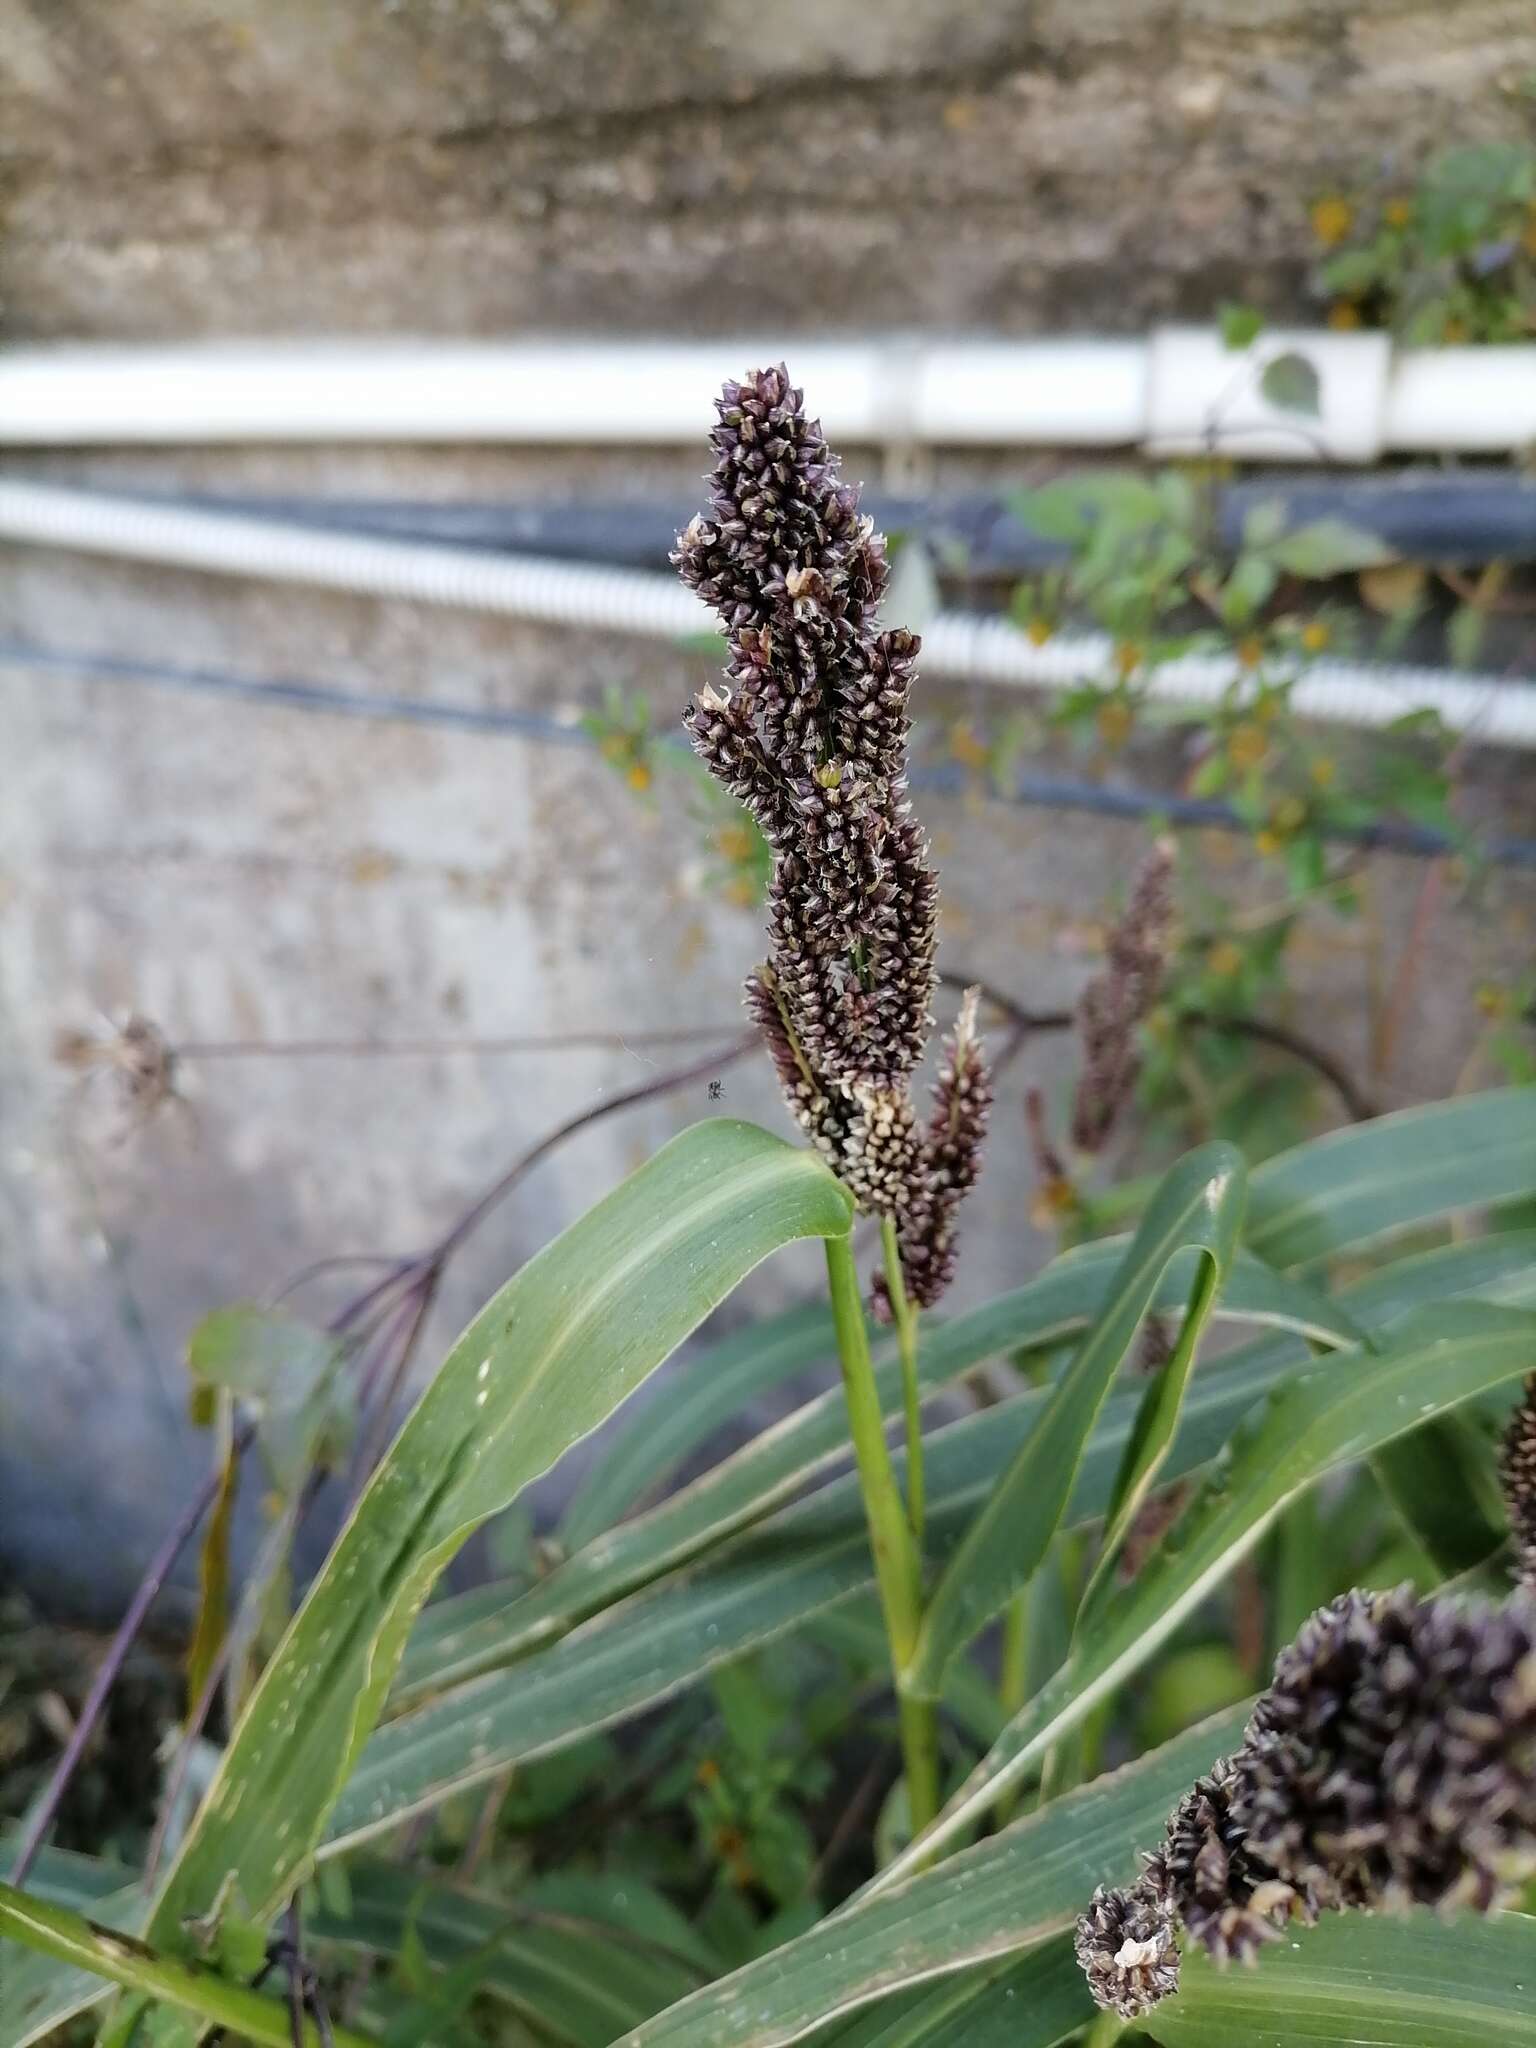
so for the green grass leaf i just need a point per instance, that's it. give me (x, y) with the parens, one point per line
(488, 1627)
(1007, 1894)
(582, 1982)
(1199, 1204)
(1359, 1982)
(1339, 1411)
(1361, 1184)
(804, 1561)
(67, 1937)
(1035, 2002)
(1442, 1482)
(715, 1388)
(549, 1357)
(809, 1558)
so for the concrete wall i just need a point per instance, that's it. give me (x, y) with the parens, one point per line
(246, 872)
(189, 166)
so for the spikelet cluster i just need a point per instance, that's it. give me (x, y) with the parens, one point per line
(810, 732)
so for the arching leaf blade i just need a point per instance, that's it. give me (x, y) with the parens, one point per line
(1330, 1415)
(1198, 1206)
(548, 1358)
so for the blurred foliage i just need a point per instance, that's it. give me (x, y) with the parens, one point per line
(735, 863)
(1447, 261)
(1145, 567)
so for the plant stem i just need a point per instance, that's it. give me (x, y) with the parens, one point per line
(904, 1317)
(156, 1573)
(1013, 1678)
(55, 1931)
(1106, 2028)
(897, 1572)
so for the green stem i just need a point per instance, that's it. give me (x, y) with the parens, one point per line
(1013, 1678)
(56, 1932)
(1106, 2028)
(897, 1572)
(904, 1317)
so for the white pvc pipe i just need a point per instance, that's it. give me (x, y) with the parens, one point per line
(1468, 401)
(1179, 389)
(956, 644)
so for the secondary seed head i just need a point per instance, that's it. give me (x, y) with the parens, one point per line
(1392, 1762)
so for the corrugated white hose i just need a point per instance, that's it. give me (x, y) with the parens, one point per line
(956, 644)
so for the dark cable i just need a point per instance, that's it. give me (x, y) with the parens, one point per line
(1048, 792)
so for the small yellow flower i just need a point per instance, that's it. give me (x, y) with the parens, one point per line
(1225, 960)
(1398, 212)
(1315, 636)
(1343, 316)
(1324, 771)
(1114, 722)
(965, 746)
(1247, 745)
(1128, 656)
(1055, 1200)
(1250, 650)
(638, 776)
(1268, 843)
(740, 893)
(1039, 631)
(1332, 219)
(734, 843)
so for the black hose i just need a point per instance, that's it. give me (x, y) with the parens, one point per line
(1466, 519)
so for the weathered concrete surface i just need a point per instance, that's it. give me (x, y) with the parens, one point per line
(248, 873)
(473, 166)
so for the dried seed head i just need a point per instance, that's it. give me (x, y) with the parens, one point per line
(1154, 1518)
(1117, 1003)
(1517, 1471)
(1154, 1348)
(811, 735)
(1126, 1947)
(1393, 1760)
(139, 1057)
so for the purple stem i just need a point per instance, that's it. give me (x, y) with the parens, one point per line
(108, 1671)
